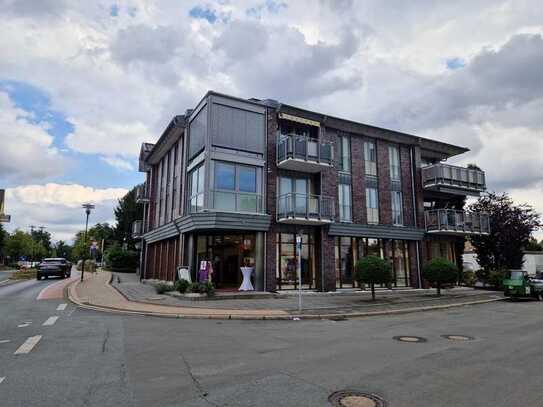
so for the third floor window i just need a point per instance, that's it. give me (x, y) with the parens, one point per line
(344, 153)
(372, 205)
(394, 163)
(370, 158)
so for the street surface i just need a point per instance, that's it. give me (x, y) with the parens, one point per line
(53, 354)
(4, 275)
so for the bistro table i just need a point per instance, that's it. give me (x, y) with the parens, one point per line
(246, 283)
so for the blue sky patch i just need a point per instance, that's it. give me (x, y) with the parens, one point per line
(203, 13)
(272, 6)
(114, 10)
(455, 63)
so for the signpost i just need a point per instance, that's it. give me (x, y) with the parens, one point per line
(299, 267)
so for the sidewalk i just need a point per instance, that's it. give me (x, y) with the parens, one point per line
(124, 293)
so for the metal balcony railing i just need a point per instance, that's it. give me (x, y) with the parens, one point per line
(303, 149)
(455, 221)
(450, 176)
(142, 194)
(137, 229)
(305, 208)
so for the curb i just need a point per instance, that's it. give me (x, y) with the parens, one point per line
(74, 299)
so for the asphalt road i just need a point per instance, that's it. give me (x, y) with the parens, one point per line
(4, 275)
(88, 358)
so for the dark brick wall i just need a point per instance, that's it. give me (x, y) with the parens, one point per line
(271, 197)
(358, 177)
(383, 173)
(407, 188)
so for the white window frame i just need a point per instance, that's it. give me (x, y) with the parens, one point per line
(372, 205)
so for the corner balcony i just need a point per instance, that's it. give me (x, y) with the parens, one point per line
(137, 229)
(142, 195)
(454, 180)
(454, 222)
(304, 209)
(303, 153)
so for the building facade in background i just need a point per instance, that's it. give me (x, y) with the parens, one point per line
(233, 181)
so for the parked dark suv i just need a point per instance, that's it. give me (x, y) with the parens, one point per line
(57, 266)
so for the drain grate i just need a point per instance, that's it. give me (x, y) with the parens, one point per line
(410, 339)
(459, 338)
(353, 398)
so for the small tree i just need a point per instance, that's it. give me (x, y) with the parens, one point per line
(440, 271)
(373, 270)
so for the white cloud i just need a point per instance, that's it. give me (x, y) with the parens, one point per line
(118, 163)
(26, 151)
(58, 207)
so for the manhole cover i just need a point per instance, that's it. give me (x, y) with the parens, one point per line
(351, 398)
(458, 337)
(410, 339)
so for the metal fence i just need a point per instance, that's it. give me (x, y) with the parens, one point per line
(304, 148)
(451, 220)
(450, 175)
(305, 206)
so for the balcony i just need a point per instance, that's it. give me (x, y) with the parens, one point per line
(454, 222)
(305, 209)
(137, 229)
(454, 180)
(142, 195)
(303, 153)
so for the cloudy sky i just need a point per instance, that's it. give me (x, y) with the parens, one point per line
(82, 84)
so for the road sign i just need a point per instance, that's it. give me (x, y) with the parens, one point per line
(5, 218)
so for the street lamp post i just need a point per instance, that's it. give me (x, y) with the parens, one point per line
(88, 208)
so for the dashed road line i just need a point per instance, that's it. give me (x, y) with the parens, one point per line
(4, 341)
(62, 307)
(50, 321)
(24, 325)
(2, 379)
(28, 345)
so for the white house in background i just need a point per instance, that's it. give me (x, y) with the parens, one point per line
(533, 262)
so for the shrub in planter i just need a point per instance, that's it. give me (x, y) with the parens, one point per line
(208, 288)
(182, 286)
(495, 278)
(440, 271)
(194, 288)
(161, 288)
(469, 278)
(373, 270)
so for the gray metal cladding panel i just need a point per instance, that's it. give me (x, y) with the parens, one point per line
(378, 231)
(163, 232)
(223, 220)
(198, 129)
(238, 129)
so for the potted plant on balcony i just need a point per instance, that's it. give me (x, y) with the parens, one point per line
(373, 270)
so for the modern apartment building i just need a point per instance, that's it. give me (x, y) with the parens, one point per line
(234, 181)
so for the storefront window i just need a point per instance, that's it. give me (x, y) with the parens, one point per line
(345, 258)
(287, 275)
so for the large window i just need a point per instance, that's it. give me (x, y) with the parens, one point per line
(236, 187)
(287, 273)
(196, 189)
(344, 195)
(372, 205)
(370, 158)
(344, 147)
(397, 207)
(394, 162)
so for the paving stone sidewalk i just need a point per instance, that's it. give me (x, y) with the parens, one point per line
(313, 303)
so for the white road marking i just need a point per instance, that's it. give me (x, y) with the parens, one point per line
(62, 307)
(50, 321)
(28, 345)
(23, 325)
(5, 341)
(2, 379)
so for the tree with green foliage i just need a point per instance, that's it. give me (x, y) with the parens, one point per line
(3, 239)
(373, 270)
(43, 239)
(533, 245)
(19, 244)
(440, 271)
(120, 260)
(126, 212)
(62, 249)
(511, 227)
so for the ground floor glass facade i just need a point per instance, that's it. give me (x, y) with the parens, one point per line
(287, 260)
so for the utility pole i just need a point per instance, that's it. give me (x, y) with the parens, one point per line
(32, 227)
(88, 207)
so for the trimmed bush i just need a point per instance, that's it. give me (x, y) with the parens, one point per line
(373, 270)
(202, 288)
(161, 288)
(440, 271)
(495, 278)
(469, 278)
(182, 286)
(124, 261)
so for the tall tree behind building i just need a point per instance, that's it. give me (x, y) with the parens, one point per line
(126, 212)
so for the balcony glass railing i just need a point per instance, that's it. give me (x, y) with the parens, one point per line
(305, 206)
(451, 220)
(437, 175)
(300, 147)
(137, 229)
(231, 201)
(142, 195)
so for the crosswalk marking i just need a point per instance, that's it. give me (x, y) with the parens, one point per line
(62, 307)
(28, 345)
(50, 321)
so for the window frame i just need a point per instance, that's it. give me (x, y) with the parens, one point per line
(394, 162)
(372, 206)
(397, 212)
(370, 165)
